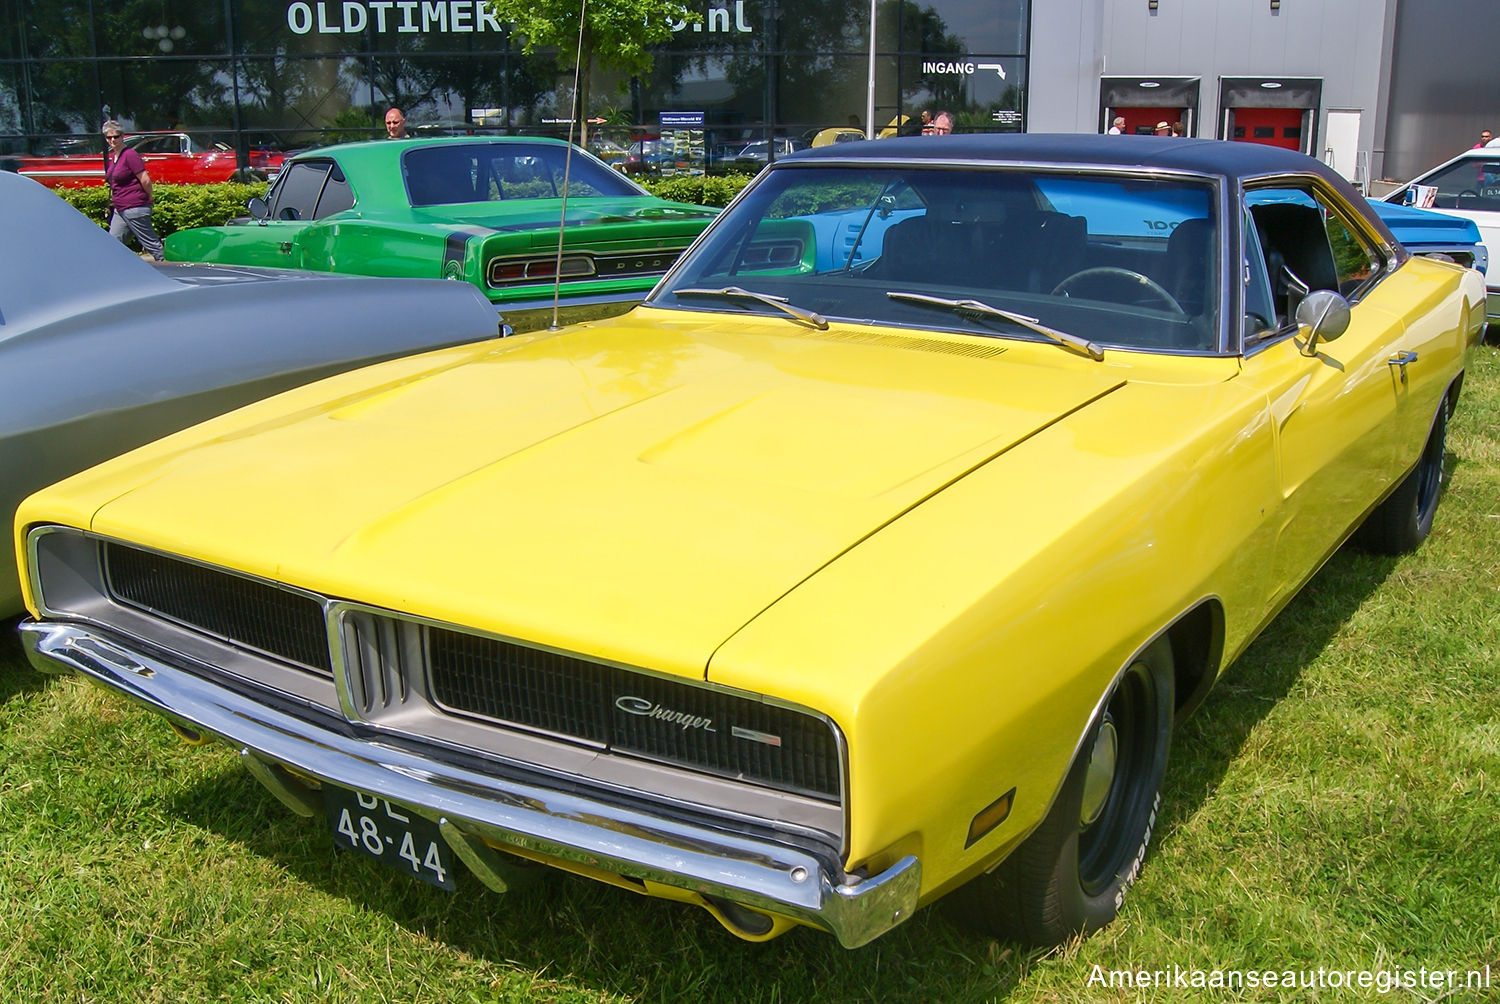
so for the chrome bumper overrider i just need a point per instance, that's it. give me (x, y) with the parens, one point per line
(756, 873)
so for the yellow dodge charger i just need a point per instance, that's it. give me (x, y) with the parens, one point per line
(873, 559)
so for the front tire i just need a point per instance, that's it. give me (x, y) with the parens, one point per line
(1071, 874)
(1400, 523)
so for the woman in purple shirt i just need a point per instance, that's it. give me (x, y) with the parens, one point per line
(129, 192)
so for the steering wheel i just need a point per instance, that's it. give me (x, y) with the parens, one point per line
(1115, 272)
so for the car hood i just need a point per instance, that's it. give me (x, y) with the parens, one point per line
(66, 268)
(1416, 227)
(635, 490)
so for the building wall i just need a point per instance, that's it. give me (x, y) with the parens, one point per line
(1339, 41)
(1063, 91)
(1445, 82)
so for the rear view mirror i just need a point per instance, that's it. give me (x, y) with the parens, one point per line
(1322, 315)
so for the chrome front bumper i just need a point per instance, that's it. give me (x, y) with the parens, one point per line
(472, 808)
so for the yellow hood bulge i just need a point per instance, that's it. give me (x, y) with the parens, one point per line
(568, 483)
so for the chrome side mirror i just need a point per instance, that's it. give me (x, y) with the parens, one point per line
(1322, 315)
(258, 208)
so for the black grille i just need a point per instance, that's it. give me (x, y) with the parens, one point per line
(240, 610)
(628, 712)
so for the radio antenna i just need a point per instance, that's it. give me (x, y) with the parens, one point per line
(567, 171)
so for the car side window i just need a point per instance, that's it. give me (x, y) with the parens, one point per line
(297, 191)
(1472, 184)
(1260, 311)
(337, 195)
(1307, 244)
(158, 145)
(1356, 260)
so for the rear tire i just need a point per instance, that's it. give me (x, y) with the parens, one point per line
(1071, 874)
(1400, 523)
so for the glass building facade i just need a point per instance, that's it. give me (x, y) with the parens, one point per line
(287, 75)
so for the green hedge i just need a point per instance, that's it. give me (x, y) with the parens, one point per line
(179, 207)
(703, 189)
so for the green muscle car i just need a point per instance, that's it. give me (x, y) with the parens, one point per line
(485, 210)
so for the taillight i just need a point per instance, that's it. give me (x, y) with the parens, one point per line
(503, 271)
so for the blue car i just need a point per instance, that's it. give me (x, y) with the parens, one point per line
(1435, 234)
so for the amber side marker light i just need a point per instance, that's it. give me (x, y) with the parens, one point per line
(989, 817)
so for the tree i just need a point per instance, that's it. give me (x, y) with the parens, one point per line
(617, 35)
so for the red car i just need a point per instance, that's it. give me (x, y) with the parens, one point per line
(172, 158)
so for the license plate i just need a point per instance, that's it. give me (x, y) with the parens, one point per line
(402, 839)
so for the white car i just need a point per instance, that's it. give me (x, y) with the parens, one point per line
(1467, 186)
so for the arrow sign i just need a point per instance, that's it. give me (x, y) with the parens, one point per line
(993, 66)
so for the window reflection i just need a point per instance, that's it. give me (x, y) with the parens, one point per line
(167, 28)
(281, 74)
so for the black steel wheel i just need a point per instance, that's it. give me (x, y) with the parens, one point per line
(1071, 874)
(1404, 519)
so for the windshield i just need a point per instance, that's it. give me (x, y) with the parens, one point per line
(447, 174)
(1472, 184)
(1112, 259)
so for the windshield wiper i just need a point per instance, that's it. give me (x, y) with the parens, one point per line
(1092, 349)
(779, 302)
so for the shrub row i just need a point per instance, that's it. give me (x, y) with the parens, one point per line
(179, 207)
(703, 189)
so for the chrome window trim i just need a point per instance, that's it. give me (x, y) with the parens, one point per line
(1329, 200)
(1226, 339)
(286, 169)
(1358, 223)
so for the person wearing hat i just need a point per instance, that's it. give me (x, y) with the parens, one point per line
(1162, 129)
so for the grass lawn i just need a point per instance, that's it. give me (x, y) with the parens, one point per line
(1335, 804)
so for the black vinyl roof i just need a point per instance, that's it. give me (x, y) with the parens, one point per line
(1231, 161)
(1206, 156)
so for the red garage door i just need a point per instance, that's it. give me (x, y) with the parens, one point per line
(1273, 126)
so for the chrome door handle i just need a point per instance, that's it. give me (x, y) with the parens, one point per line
(1401, 359)
(286, 248)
